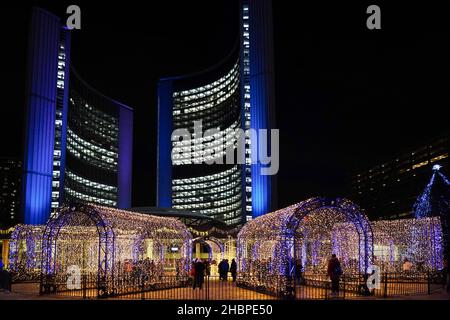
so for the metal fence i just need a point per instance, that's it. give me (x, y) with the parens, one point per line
(161, 288)
(313, 286)
(409, 283)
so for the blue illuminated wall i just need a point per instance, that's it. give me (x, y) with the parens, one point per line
(125, 173)
(40, 116)
(262, 98)
(256, 80)
(46, 128)
(164, 148)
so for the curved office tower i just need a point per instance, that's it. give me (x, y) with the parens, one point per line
(98, 148)
(237, 93)
(211, 98)
(78, 143)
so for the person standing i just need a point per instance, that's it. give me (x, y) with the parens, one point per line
(226, 269)
(233, 269)
(446, 276)
(220, 267)
(208, 267)
(298, 272)
(334, 271)
(199, 274)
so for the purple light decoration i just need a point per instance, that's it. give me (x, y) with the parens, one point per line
(422, 207)
(125, 156)
(391, 251)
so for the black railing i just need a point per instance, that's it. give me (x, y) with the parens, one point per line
(312, 286)
(409, 283)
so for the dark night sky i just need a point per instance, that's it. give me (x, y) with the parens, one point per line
(346, 97)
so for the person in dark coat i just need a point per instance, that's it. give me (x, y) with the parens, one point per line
(233, 269)
(226, 269)
(298, 272)
(219, 268)
(334, 271)
(199, 268)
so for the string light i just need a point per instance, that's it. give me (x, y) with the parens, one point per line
(71, 237)
(312, 230)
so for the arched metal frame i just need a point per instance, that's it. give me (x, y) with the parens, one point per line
(112, 227)
(213, 240)
(25, 265)
(186, 248)
(348, 209)
(279, 229)
(106, 239)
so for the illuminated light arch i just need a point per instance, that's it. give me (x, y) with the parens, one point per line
(267, 245)
(102, 240)
(211, 241)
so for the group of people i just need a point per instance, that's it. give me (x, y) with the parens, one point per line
(201, 268)
(225, 267)
(145, 269)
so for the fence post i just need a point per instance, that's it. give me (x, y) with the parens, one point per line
(385, 294)
(142, 285)
(428, 282)
(83, 283)
(343, 281)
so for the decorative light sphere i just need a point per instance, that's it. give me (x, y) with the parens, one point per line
(436, 167)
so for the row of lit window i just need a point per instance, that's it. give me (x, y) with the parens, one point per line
(228, 132)
(102, 116)
(390, 165)
(90, 183)
(97, 193)
(88, 198)
(234, 186)
(83, 149)
(203, 185)
(235, 220)
(87, 144)
(199, 150)
(211, 211)
(197, 204)
(61, 76)
(207, 155)
(246, 79)
(222, 195)
(404, 170)
(208, 87)
(211, 94)
(201, 105)
(94, 121)
(210, 177)
(91, 160)
(188, 192)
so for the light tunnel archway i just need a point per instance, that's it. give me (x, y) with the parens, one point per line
(311, 230)
(109, 244)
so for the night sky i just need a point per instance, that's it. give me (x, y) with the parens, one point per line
(346, 97)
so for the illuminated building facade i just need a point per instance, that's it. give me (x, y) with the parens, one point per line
(10, 172)
(237, 93)
(78, 142)
(390, 189)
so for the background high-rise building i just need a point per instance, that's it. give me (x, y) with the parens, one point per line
(236, 93)
(10, 173)
(78, 142)
(390, 189)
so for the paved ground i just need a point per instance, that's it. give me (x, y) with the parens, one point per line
(216, 291)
